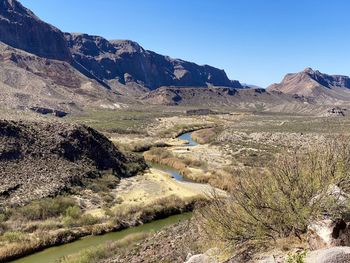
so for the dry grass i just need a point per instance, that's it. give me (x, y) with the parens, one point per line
(190, 168)
(205, 136)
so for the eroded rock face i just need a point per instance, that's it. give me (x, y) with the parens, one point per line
(328, 233)
(21, 29)
(127, 62)
(43, 159)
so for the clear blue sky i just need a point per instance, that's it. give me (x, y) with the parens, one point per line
(255, 41)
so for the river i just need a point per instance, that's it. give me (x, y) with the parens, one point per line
(51, 255)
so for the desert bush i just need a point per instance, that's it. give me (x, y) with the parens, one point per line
(103, 184)
(89, 220)
(74, 218)
(3, 218)
(298, 257)
(182, 164)
(74, 212)
(282, 200)
(205, 136)
(13, 236)
(44, 209)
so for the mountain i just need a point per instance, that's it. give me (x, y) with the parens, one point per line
(21, 29)
(128, 63)
(42, 66)
(313, 83)
(29, 81)
(243, 99)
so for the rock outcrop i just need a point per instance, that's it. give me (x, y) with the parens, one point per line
(335, 112)
(43, 159)
(21, 29)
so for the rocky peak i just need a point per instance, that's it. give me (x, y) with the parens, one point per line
(21, 29)
(127, 46)
(89, 45)
(308, 81)
(309, 70)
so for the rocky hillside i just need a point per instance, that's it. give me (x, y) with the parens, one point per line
(127, 62)
(29, 81)
(244, 99)
(21, 29)
(313, 83)
(43, 159)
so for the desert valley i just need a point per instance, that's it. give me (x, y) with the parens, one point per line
(113, 153)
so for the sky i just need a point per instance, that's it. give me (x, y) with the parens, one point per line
(254, 41)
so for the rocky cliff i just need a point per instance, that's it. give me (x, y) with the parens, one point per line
(21, 29)
(127, 62)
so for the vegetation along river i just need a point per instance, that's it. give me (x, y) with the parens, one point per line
(50, 255)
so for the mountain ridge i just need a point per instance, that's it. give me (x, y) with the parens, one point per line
(129, 63)
(123, 61)
(311, 82)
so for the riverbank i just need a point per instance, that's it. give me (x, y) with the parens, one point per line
(164, 208)
(141, 199)
(133, 201)
(134, 234)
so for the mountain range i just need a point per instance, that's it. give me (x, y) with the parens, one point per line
(40, 66)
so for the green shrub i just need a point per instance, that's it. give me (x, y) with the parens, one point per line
(281, 201)
(3, 218)
(74, 212)
(298, 257)
(13, 236)
(88, 220)
(44, 209)
(103, 184)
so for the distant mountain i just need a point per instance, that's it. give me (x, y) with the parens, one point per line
(251, 99)
(313, 83)
(41, 66)
(46, 70)
(127, 62)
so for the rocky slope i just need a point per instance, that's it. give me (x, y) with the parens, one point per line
(21, 29)
(245, 99)
(43, 159)
(127, 62)
(311, 83)
(28, 81)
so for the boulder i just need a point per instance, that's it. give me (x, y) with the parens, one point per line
(328, 233)
(329, 255)
(200, 258)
